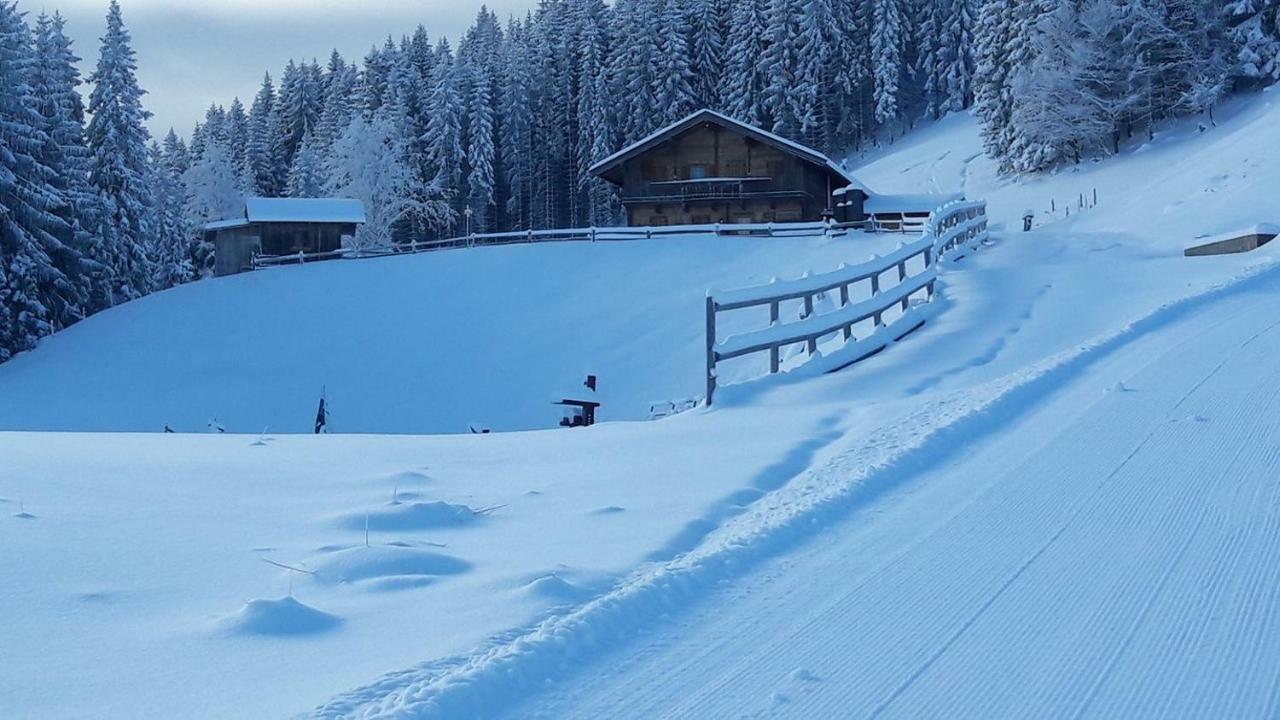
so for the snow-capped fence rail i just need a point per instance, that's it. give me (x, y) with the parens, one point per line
(950, 231)
(593, 234)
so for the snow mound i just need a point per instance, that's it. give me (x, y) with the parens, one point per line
(554, 587)
(283, 617)
(388, 567)
(412, 516)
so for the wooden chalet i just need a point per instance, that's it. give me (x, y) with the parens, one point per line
(709, 168)
(277, 227)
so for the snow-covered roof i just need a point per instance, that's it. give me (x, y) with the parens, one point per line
(316, 210)
(1259, 229)
(908, 203)
(298, 210)
(705, 115)
(226, 224)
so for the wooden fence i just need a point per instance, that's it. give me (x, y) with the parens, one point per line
(520, 237)
(950, 231)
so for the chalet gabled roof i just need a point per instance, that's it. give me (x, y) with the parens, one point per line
(602, 168)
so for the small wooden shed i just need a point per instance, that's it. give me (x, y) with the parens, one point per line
(276, 227)
(710, 168)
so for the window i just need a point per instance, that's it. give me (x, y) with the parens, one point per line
(697, 172)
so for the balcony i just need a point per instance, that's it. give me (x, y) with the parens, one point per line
(711, 189)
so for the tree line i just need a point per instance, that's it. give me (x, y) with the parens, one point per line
(504, 128)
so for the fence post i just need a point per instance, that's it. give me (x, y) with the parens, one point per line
(711, 348)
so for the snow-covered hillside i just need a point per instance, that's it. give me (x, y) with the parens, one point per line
(1062, 488)
(430, 343)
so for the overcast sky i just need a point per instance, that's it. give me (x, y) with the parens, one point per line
(191, 53)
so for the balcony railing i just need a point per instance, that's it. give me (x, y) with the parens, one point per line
(746, 188)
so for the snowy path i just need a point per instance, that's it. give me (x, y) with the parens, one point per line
(1114, 553)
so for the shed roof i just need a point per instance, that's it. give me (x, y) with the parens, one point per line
(607, 165)
(315, 210)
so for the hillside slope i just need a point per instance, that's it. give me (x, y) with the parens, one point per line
(430, 343)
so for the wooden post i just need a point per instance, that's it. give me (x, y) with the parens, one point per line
(902, 277)
(711, 348)
(812, 344)
(844, 300)
(774, 359)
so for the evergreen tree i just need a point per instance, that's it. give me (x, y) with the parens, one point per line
(480, 155)
(73, 290)
(28, 202)
(745, 77)
(117, 141)
(443, 140)
(307, 176)
(170, 233)
(709, 23)
(1254, 26)
(297, 109)
(674, 89)
(888, 41)
(263, 155)
(781, 61)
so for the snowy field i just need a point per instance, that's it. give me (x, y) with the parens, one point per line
(431, 343)
(922, 529)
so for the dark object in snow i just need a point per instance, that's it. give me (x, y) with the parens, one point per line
(581, 413)
(479, 431)
(1235, 242)
(322, 416)
(1027, 218)
(168, 429)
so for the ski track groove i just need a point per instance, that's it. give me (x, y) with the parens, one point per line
(892, 578)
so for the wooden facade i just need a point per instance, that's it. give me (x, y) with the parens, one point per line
(708, 168)
(234, 248)
(276, 227)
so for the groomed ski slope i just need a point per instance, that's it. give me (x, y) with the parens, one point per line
(522, 567)
(1113, 550)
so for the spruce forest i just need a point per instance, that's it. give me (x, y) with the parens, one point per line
(503, 124)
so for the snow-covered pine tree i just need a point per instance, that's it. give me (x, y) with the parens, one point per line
(117, 140)
(745, 77)
(263, 153)
(634, 67)
(516, 121)
(443, 139)
(298, 108)
(888, 46)
(1254, 26)
(709, 25)
(307, 177)
(782, 93)
(957, 58)
(28, 202)
(236, 137)
(674, 89)
(817, 95)
(76, 290)
(594, 132)
(480, 154)
(170, 247)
